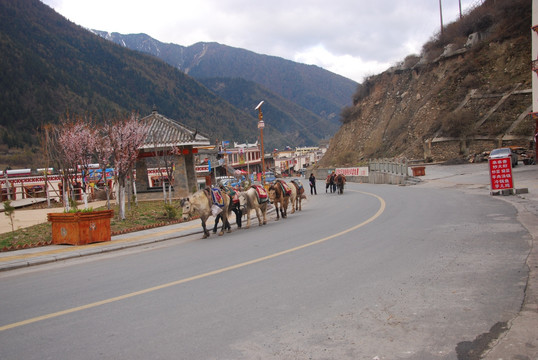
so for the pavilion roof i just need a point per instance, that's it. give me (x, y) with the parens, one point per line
(166, 133)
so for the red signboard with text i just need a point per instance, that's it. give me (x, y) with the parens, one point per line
(500, 173)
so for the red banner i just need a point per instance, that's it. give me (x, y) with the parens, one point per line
(500, 173)
(357, 171)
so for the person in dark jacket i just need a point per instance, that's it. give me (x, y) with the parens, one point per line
(312, 181)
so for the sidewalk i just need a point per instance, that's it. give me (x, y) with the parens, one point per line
(10, 260)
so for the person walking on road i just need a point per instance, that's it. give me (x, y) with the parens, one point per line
(312, 181)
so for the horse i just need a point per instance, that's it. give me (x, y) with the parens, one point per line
(299, 196)
(278, 197)
(234, 206)
(293, 196)
(200, 203)
(340, 181)
(249, 200)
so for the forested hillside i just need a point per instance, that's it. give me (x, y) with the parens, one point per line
(317, 90)
(299, 125)
(50, 67)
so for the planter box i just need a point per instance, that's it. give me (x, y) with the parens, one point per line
(419, 170)
(80, 228)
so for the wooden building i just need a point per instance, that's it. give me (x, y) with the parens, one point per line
(168, 144)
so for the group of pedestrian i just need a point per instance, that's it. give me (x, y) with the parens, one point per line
(330, 183)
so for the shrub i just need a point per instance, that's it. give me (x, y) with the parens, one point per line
(410, 61)
(349, 113)
(363, 90)
(76, 210)
(170, 211)
(346, 158)
(458, 124)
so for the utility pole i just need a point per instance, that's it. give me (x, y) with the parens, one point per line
(441, 15)
(261, 125)
(248, 164)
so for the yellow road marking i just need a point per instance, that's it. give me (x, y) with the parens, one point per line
(200, 276)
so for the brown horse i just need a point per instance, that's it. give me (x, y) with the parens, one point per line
(299, 194)
(200, 203)
(278, 197)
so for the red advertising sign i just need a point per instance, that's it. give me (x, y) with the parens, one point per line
(500, 173)
(356, 171)
(201, 168)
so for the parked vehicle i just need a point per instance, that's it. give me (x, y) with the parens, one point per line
(503, 153)
(226, 180)
(528, 157)
(269, 176)
(524, 155)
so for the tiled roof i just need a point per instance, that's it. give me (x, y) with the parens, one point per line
(164, 132)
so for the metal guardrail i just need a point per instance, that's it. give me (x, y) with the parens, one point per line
(390, 166)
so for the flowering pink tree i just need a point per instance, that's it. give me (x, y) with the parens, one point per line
(126, 137)
(72, 146)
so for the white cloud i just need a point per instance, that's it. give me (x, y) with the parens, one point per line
(355, 67)
(353, 38)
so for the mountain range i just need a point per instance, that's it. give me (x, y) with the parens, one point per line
(52, 68)
(318, 90)
(304, 98)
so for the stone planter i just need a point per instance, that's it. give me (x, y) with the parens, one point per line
(80, 228)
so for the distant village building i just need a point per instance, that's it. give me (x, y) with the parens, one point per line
(289, 161)
(239, 159)
(244, 160)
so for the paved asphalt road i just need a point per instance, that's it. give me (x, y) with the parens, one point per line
(382, 271)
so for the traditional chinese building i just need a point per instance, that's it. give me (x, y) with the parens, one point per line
(171, 145)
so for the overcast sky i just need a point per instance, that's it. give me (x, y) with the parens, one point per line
(353, 38)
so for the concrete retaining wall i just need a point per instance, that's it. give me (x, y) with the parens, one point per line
(374, 177)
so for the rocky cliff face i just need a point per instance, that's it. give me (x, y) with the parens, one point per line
(466, 101)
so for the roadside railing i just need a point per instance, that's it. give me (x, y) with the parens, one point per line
(388, 171)
(33, 188)
(398, 166)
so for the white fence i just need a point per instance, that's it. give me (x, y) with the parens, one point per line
(390, 166)
(388, 171)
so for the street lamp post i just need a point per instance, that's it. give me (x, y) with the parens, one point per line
(261, 125)
(247, 155)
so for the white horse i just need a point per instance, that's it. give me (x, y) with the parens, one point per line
(248, 200)
(200, 203)
(299, 189)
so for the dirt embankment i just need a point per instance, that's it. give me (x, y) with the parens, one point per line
(468, 101)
